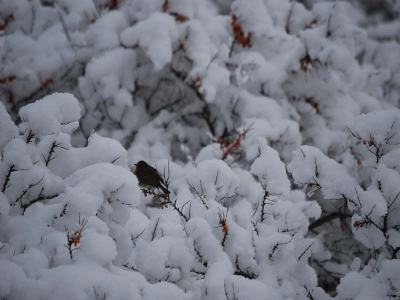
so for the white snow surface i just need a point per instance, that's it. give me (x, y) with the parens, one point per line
(274, 124)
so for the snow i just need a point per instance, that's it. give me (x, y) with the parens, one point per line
(112, 72)
(32, 261)
(157, 32)
(274, 125)
(104, 33)
(7, 127)
(270, 170)
(214, 179)
(152, 258)
(98, 247)
(52, 115)
(255, 17)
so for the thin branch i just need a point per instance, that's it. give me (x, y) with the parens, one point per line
(390, 205)
(154, 233)
(11, 169)
(327, 219)
(306, 250)
(19, 199)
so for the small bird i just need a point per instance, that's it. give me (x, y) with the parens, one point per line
(148, 177)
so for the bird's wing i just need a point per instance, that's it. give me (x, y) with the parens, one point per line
(153, 171)
(152, 180)
(157, 175)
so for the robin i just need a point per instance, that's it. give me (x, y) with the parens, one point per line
(148, 177)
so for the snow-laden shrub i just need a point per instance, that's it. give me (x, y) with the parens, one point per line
(226, 91)
(371, 201)
(75, 225)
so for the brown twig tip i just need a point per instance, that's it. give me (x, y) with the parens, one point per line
(237, 30)
(224, 224)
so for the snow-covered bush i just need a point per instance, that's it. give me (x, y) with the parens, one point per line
(75, 224)
(273, 122)
(370, 201)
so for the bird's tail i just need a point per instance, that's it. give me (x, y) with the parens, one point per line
(164, 190)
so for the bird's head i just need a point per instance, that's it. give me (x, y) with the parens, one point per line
(140, 165)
